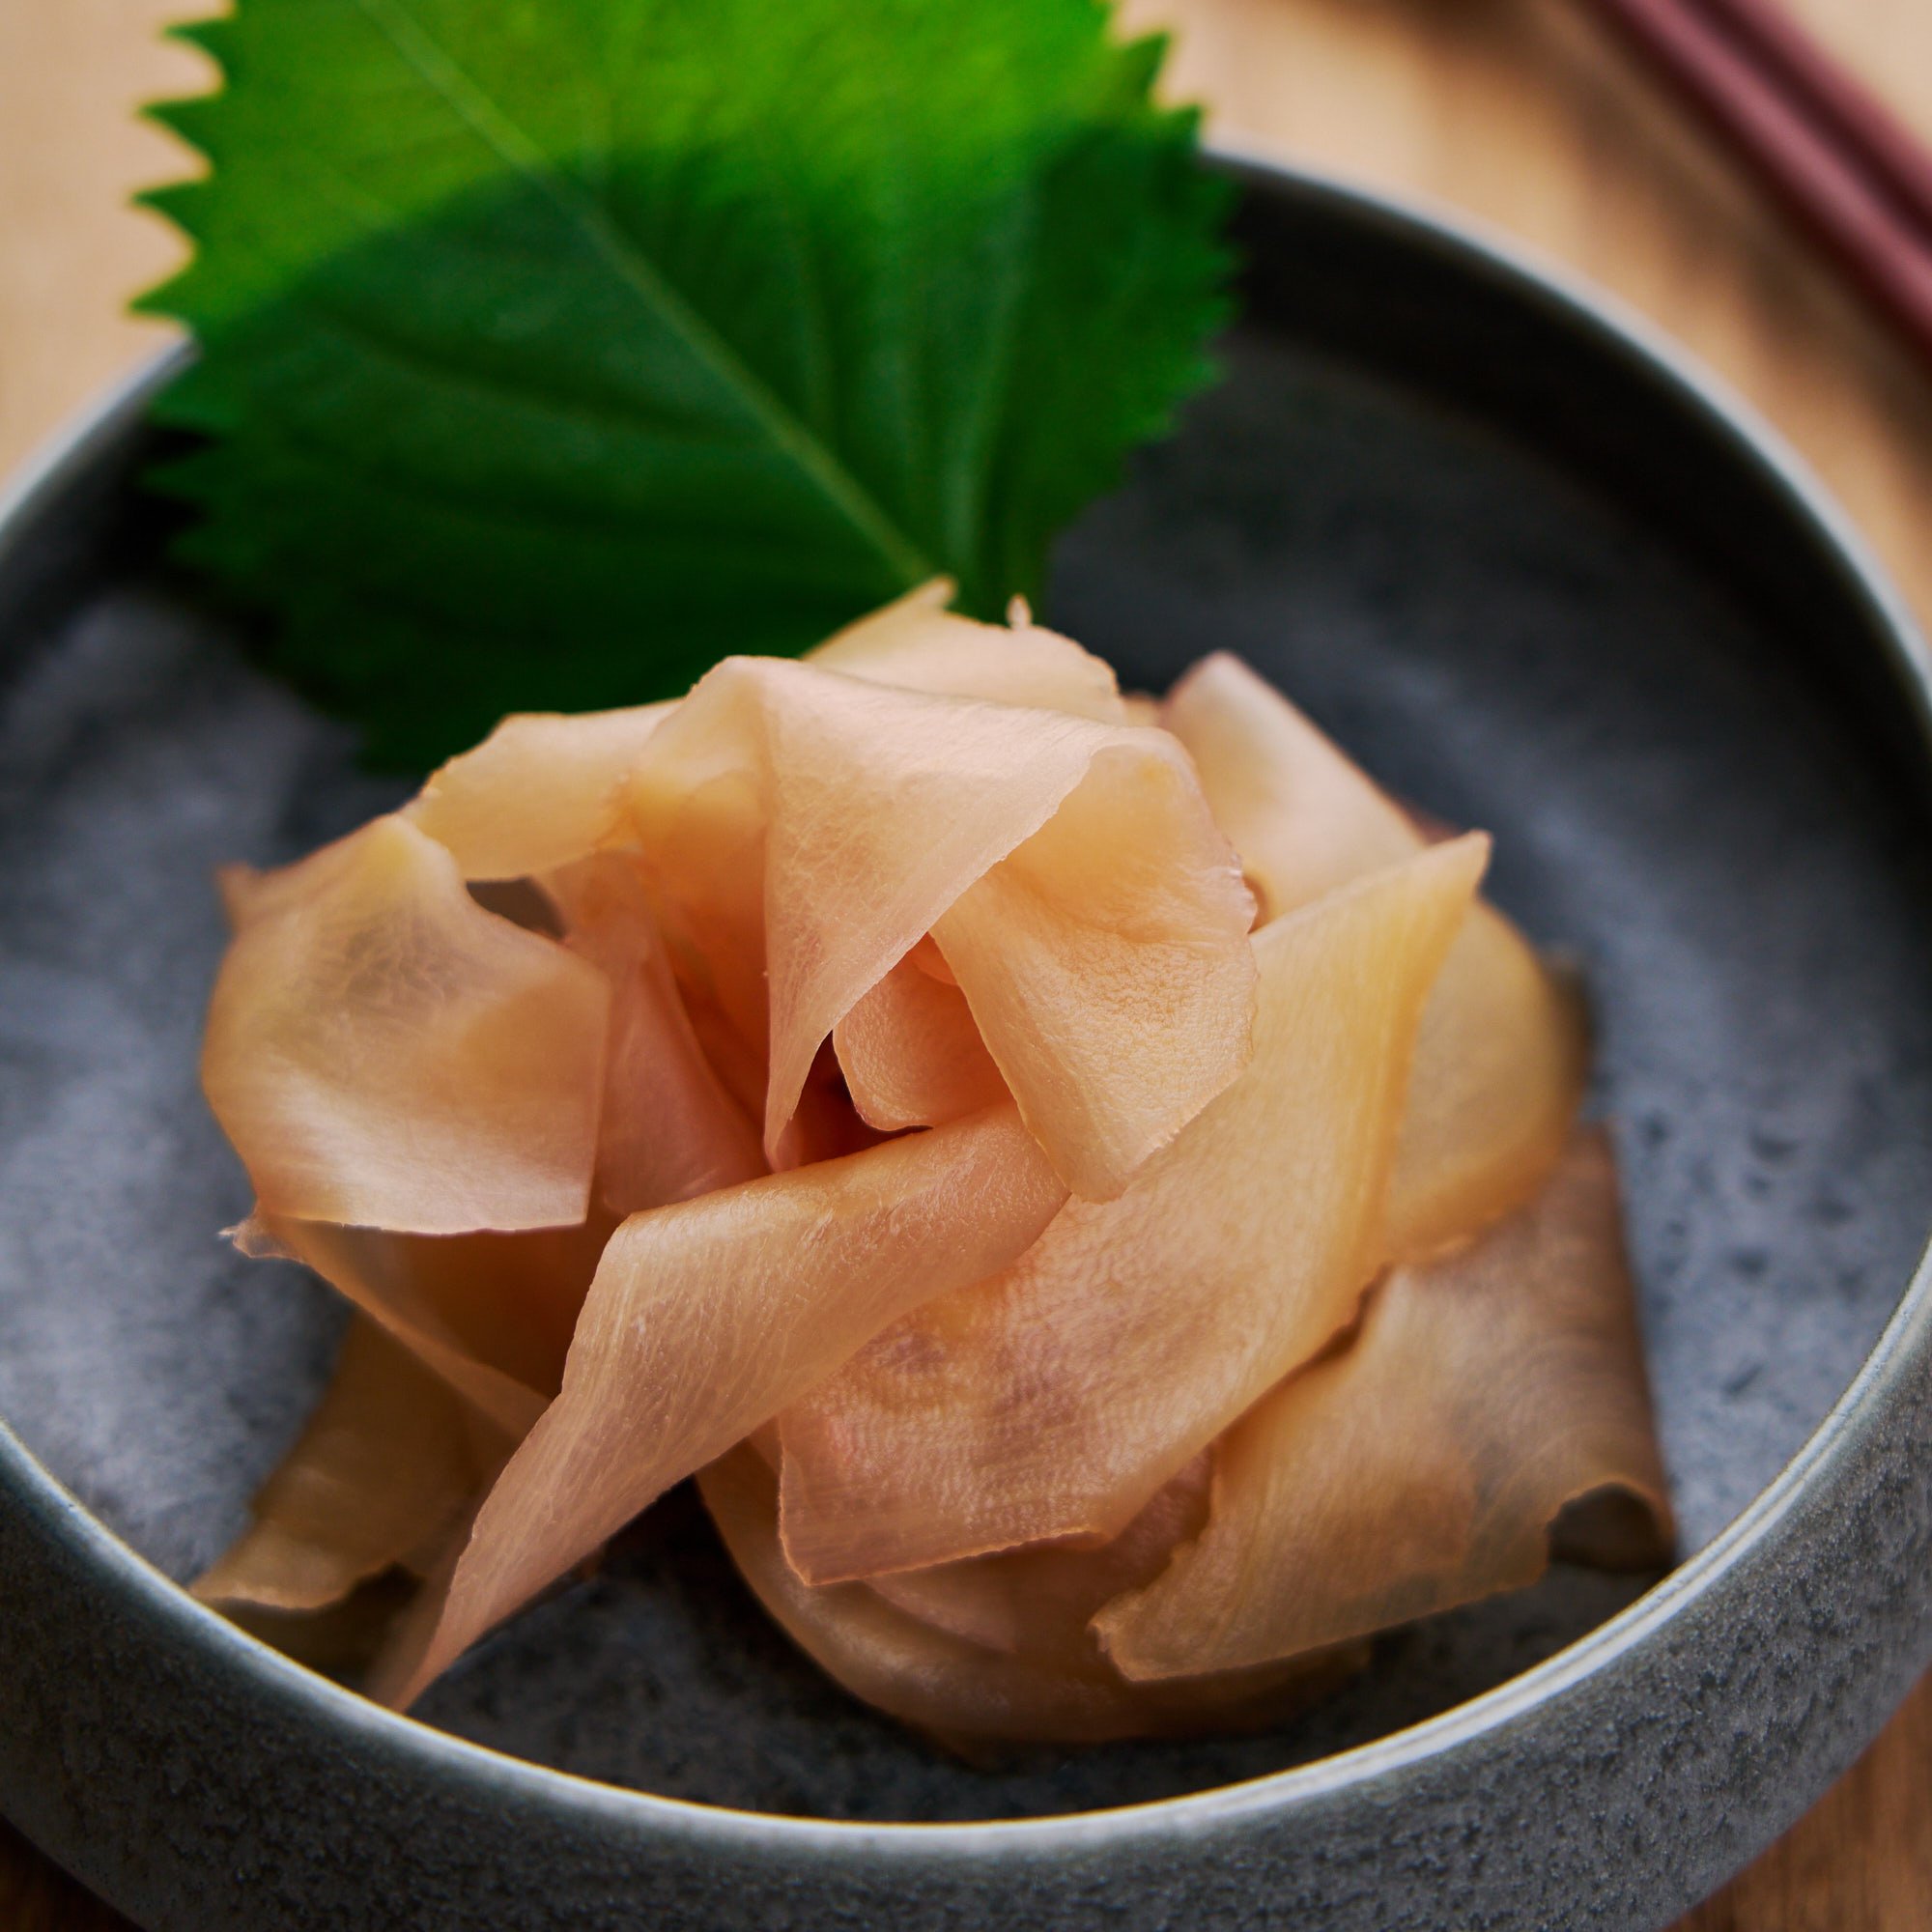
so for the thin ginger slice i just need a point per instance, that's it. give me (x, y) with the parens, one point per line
(861, 814)
(911, 1053)
(541, 791)
(704, 870)
(1110, 986)
(913, 1059)
(1423, 1464)
(1500, 1068)
(962, 1692)
(1055, 1399)
(670, 1129)
(383, 1467)
(918, 644)
(383, 1052)
(490, 1314)
(1505, 1052)
(709, 1316)
(1304, 818)
(1039, 1601)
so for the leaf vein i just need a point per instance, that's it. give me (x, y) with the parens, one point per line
(419, 50)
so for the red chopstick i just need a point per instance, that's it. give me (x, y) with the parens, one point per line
(1830, 153)
(1852, 110)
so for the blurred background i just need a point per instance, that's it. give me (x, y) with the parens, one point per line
(1527, 115)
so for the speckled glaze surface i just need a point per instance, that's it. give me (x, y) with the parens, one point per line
(1540, 582)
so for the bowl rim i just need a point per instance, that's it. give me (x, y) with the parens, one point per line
(1614, 329)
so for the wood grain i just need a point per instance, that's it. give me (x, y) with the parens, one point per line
(1519, 112)
(38, 1897)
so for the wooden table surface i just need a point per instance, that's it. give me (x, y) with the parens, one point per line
(1516, 111)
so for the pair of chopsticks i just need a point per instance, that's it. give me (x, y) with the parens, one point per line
(1837, 159)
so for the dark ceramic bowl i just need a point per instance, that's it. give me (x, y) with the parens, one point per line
(1543, 581)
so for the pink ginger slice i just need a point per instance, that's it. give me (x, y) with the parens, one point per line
(1423, 1464)
(383, 1469)
(383, 1052)
(1055, 1399)
(1039, 1601)
(1504, 1051)
(709, 1316)
(541, 791)
(911, 1052)
(670, 1129)
(964, 1692)
(1500, 1068)
(490, 1314)
(861, 816)
(918, 644)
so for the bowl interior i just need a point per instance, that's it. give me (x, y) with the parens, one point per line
(1505, 624)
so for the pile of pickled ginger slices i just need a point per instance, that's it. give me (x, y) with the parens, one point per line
(1088, 1186)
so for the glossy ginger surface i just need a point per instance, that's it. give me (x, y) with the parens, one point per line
(1086, 1182)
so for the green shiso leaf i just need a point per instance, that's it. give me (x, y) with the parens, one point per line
(551, 349)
